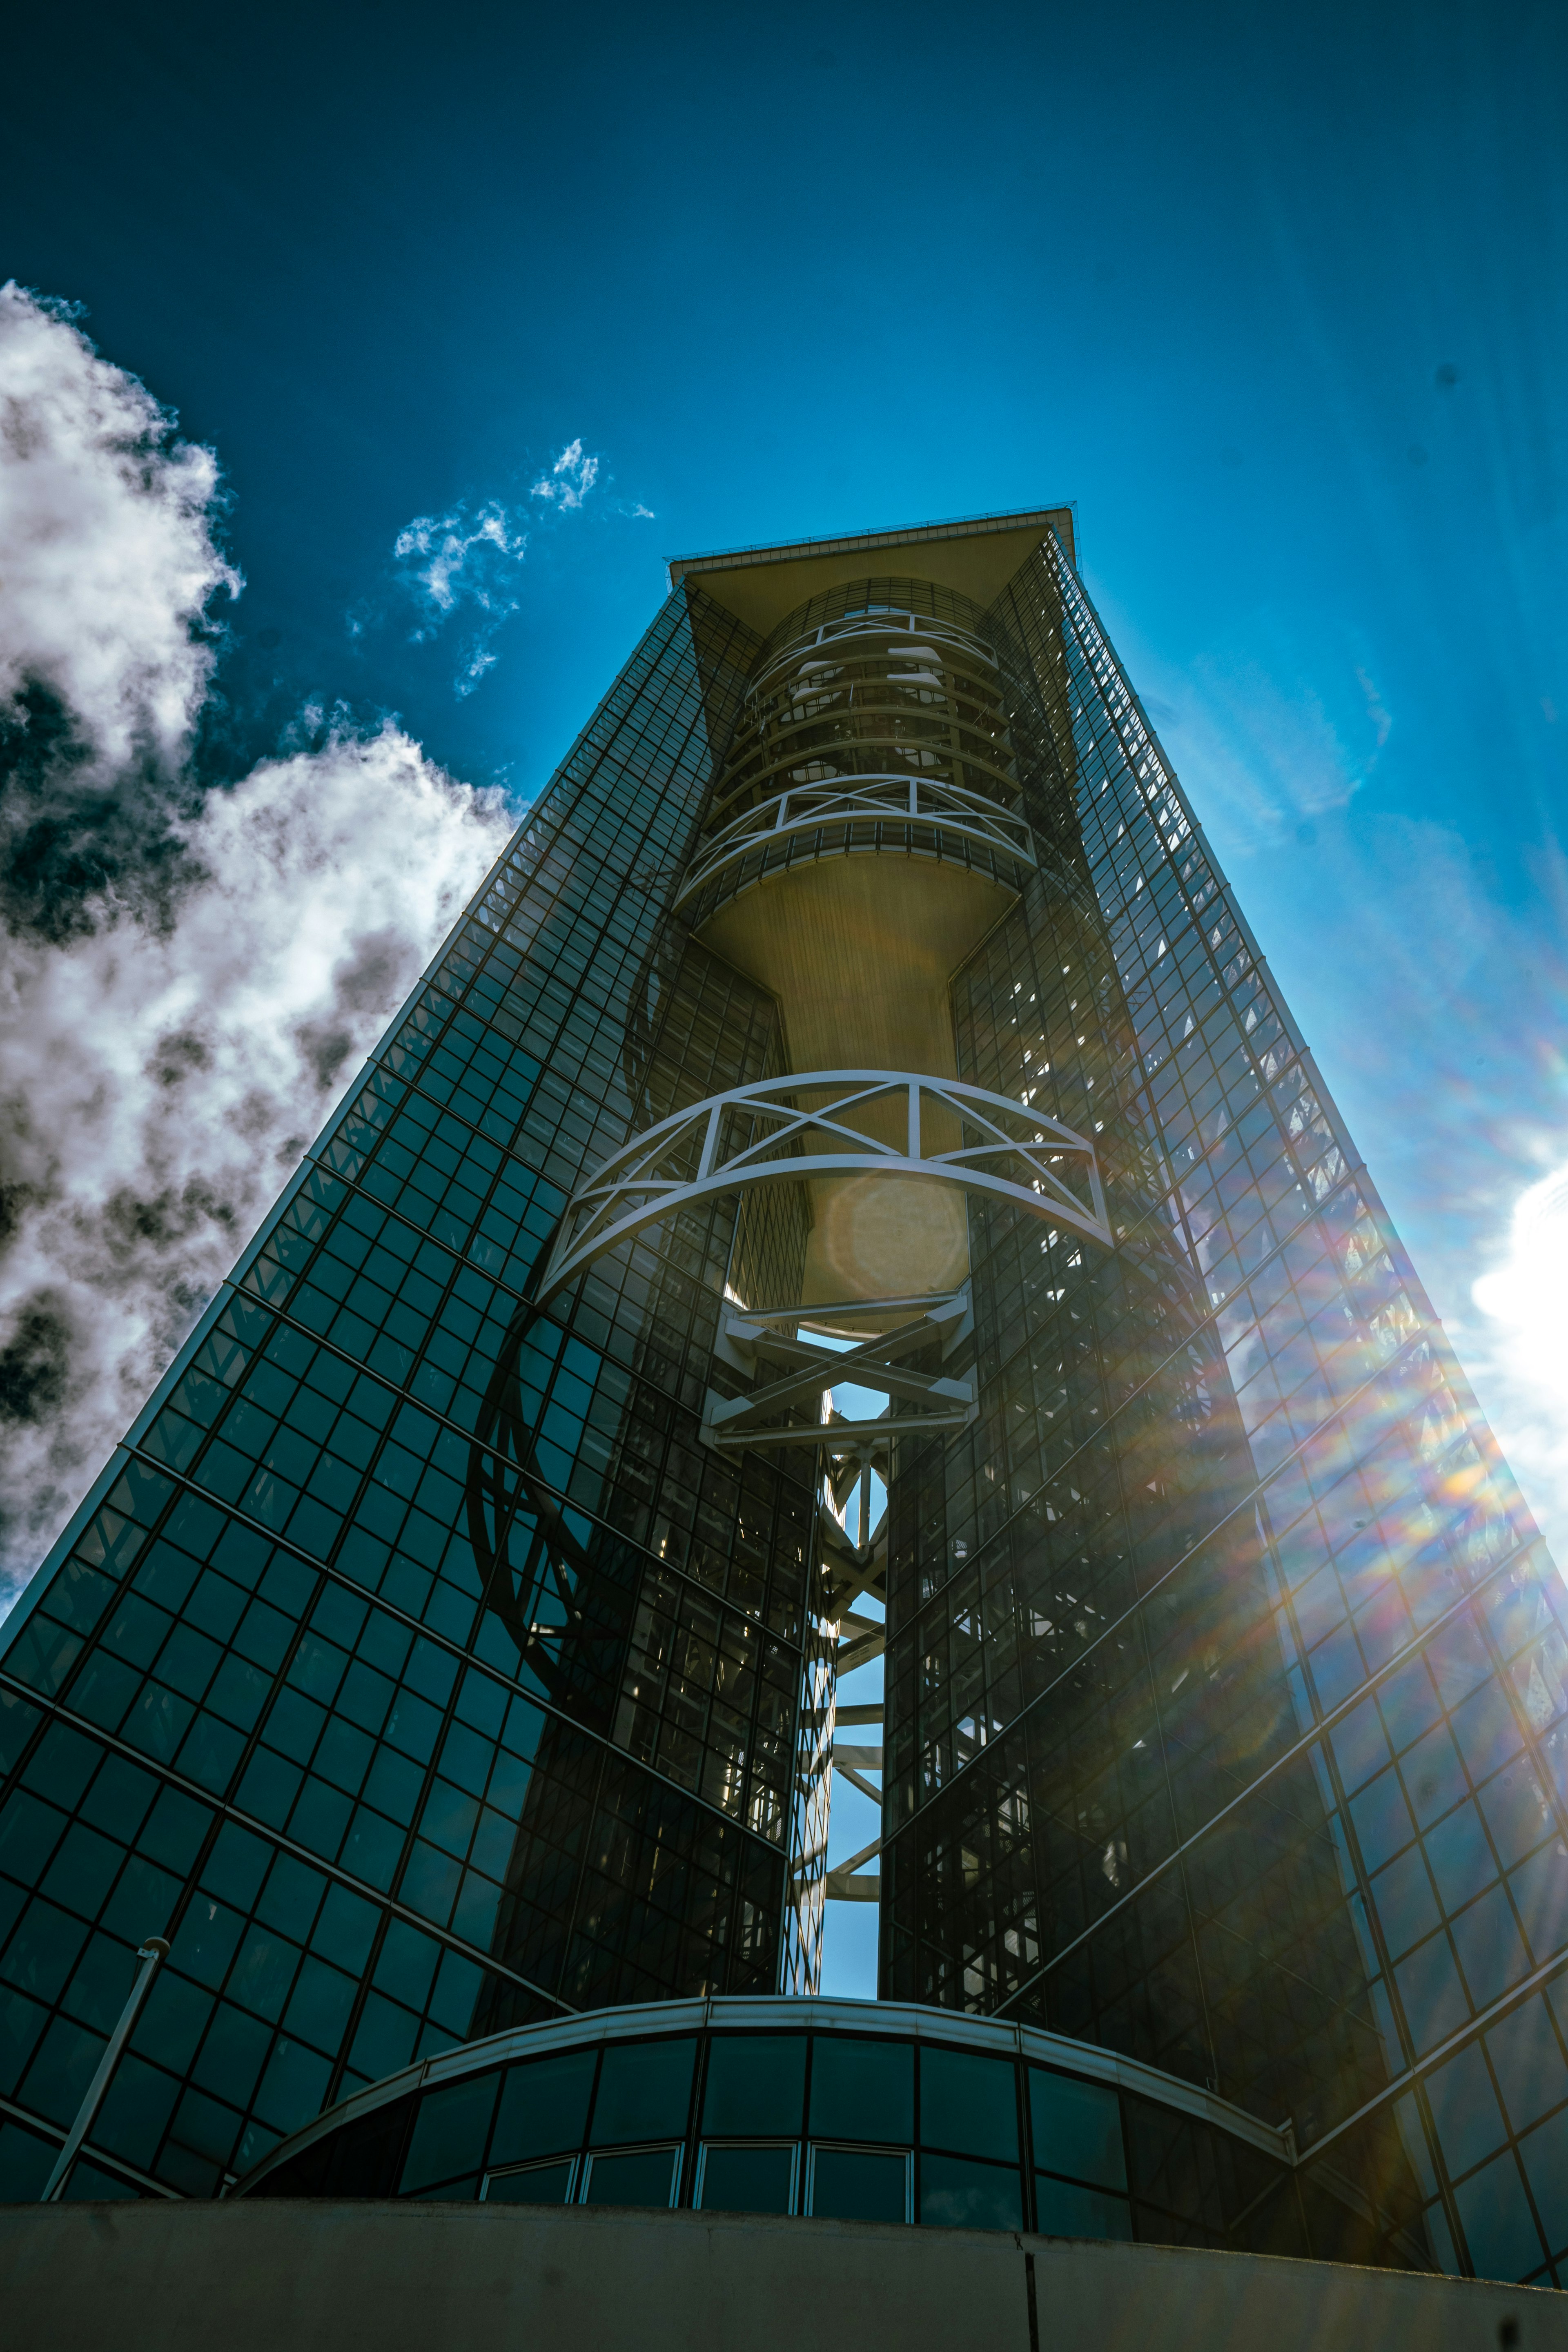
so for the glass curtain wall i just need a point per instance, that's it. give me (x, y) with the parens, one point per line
(411, 1666)
(1231, 1671)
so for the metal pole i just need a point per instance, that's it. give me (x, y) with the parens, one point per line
(148, 1953)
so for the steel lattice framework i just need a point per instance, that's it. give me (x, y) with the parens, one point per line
(765, 1134)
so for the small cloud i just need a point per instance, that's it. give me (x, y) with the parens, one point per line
(646, 512)
(569, 480)
(461, 559)
(448, 563)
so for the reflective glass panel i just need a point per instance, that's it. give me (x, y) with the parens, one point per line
(960, 2195)
(747, 2180)
(543, 2106)
(756, 2082)
(863, 2090)
(968, 2102)
(645, 2090)
(534, 2184)
(1066, 2211)
(1077, 2128)
(449, 2133)
(645, 2177)
(859, 2184)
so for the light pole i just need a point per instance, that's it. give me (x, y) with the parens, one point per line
(148, 1953)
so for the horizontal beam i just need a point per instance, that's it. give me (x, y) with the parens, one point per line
(842, 1888)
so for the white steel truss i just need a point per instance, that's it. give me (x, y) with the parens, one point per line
(763, 1134)
(874, 810)
(810, 1343)
(732, 1423)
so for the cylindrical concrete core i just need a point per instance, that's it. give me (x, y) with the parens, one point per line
(859, 932)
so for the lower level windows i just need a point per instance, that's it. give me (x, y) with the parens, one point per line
(859, 2184)
(758, 2178)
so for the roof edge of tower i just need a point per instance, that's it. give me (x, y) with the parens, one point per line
(975, 554)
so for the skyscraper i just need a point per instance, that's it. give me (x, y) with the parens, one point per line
(452, 1644)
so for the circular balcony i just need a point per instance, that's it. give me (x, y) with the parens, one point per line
(845, 816)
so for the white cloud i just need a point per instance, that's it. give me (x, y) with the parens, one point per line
(458, 560)
(195, 979)
(109, 557)
(570, 479)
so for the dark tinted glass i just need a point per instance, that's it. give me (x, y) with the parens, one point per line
(747, 2180)
(959, 2195)
(450, 2133)
(645, 2090)
(90, 2184)
(1077, 2128)
(25, 2163)
(756, 2082)
(543, 2106)
(1066, 2211)
(862, 2090)
(645, 2177)
(536, 2184)
(856, 2184)
(968, 2102)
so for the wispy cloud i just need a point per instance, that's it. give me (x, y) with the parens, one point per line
(463, 562)
(570, 479)
(188, 976)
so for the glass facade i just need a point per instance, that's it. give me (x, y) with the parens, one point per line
(428, 1664)
(1226, 1704)
(844, 2110)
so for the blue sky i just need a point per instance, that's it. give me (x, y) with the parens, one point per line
(1276, 298)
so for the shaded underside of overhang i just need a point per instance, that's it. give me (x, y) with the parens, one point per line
(977, 556)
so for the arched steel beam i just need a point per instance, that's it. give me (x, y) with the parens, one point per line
(761, 1134)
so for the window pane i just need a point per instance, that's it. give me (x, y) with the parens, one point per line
(756, 2082)
(1498, 2228)
(747, 2180)
(543, 2106)
(449, 2133)
(1077, 2127)
(862, 2090)
(1066, 2211)
(645, 2090)
(856, 2184)
(958, 2195)
(645, 2178)
(87, 2182)
(536, 2184)
(971, 2103)
(25, 2163)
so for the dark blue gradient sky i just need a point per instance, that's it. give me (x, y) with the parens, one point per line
(1277, 297)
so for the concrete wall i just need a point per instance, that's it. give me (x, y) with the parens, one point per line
(273, 2276)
